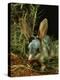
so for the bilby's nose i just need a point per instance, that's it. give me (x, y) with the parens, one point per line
(30, 57)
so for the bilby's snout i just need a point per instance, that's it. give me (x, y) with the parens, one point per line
(30, 57)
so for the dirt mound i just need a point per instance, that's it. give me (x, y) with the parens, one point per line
(21, 67)
(14, 59)
(22, 70)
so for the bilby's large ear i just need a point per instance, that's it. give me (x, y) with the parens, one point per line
(43, 27)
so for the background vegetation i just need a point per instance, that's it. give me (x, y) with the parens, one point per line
(22, 23)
